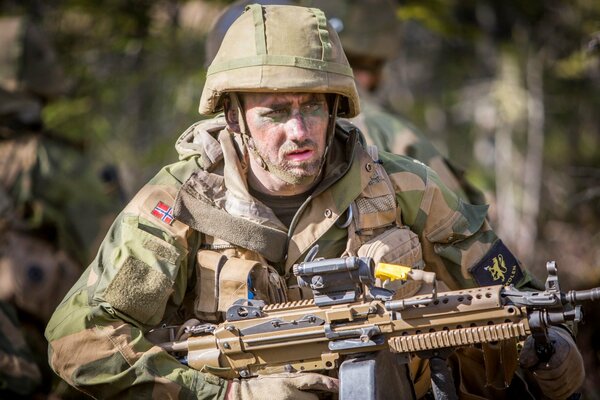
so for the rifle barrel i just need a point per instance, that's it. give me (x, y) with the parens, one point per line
(577, 296)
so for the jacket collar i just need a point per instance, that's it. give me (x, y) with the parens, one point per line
(216, 201)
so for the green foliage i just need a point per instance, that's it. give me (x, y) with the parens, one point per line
(435, 15)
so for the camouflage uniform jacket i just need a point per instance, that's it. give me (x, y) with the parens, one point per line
(145, 272)
(395, 134)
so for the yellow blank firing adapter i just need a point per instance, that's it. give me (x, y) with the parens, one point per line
(395, 272)
(392, 272)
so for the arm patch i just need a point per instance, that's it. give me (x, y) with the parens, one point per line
(139, 291)
(498, 267)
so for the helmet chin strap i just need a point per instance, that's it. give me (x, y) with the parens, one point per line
(273, 169)
(236, 104)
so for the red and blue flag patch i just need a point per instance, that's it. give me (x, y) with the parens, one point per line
(163, 212)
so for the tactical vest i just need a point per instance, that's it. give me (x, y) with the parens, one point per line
(226, 273)
(376, 230)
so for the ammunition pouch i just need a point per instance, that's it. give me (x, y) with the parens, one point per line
(222, 280)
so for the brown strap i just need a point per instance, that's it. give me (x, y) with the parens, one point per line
(210, 264)
(501, 362)
(233, 281)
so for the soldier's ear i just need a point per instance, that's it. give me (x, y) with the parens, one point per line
(231, 115)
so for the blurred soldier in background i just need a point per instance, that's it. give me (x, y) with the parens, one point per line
(45, 186)
(369, 31)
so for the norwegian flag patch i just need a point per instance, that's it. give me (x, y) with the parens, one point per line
(163, 212)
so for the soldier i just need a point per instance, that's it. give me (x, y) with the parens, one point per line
(45, 185)
(368, 30)
(255, 189)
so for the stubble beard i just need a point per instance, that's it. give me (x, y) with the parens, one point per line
(295, 173)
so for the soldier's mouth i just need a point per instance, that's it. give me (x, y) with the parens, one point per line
(299, 155)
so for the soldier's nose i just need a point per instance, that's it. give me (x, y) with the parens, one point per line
(296, 128)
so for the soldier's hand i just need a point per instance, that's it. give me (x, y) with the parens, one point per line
(563, 374)
(284, 386)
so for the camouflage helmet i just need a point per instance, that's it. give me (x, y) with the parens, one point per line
(279, 48)
(367, 28)
(223, 22)
(28, 63)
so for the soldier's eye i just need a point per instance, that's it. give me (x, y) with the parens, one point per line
(277, 113)
(312, 107)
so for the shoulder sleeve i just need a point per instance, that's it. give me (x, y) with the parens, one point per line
(395, 134)
(458, 243)
(96, 335)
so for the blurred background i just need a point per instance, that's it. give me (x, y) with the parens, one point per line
(507, 90)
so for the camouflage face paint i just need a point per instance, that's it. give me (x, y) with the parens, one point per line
(288, 133)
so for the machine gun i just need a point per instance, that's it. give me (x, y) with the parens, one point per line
(351, 320)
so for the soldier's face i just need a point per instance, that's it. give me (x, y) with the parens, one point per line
(288, 132)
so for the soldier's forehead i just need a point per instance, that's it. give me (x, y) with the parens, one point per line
(266, 99)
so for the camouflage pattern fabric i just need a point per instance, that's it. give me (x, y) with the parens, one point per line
(45, 180)
(52, 202)
(19, 374)
(145, 270)
(52, 208)
(49, 185)
(395, 134)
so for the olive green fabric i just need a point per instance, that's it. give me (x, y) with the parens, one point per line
(113, 357)
(53, 208)
(139, 290)
(280, 48)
